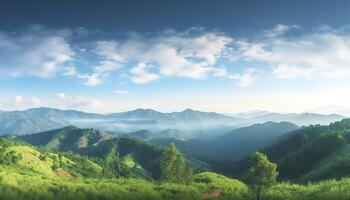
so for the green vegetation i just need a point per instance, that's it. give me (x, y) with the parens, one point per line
(309, 154)
(261, 175)
(96, 166)
(173, 166)
(33, 173)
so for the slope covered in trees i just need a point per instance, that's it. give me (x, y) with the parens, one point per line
(235, 144)
(121, 156)
(308, 154)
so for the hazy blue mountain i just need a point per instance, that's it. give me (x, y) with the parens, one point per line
(39, 119)
(235, 144)
(302, 119)
(250, 114)
(196, 122)
(187, 119)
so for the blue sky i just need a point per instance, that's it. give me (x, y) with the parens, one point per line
(224, 56)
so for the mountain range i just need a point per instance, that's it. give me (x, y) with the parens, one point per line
(43, 119)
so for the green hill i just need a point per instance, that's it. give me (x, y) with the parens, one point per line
(21, 156)
(67, 138)
(309, 154)
(113, 154)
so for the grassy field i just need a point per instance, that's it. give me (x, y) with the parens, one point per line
(25, 184)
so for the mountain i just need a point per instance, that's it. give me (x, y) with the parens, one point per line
(192, 121)
(39, 119)
(235, 144)
(250, 114)
(308, 154)
(187, 119)
(43, 119)
(243, 141)
(143, 157)
(303, 119)
(67, 138)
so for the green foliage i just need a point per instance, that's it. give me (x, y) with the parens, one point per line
(173, 167)
(262, 174)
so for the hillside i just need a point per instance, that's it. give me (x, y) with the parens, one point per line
(309, 154)
(67, 138)
(21, 156)
(142, 158)
(235, 144)
(149, 135)
(18, 182)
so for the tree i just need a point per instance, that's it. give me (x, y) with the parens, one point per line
(261, 175)
(173, 168)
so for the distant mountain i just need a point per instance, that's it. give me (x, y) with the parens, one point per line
(38, 119)
(67, 138)
(43, 119)
(187, 119)
(233, 145)
(332, 109)
(250, 114)
(303, 119)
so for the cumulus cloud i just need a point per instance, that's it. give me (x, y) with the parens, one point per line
(35, 52)
(185, 54)
(140, 75)
(286, 52)
(318, 54)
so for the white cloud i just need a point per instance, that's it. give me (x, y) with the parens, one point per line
(319, 54)
(112, 60)
(37, 52)
(140, 75)
(121, 91)
(287, 72)
(185, 54)
(19, 102)
(279, 30)
(245, 79)
(69, 71)
(65, 101)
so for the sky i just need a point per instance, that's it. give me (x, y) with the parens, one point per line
(223, 56)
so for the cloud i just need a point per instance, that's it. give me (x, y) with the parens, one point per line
(20, 102)
(35, 52)
(121, 91)
(191, 54)
(322, 53)
(279, 30)
(140, 75)
(69, 71)
(64, 101)
(245, 79)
